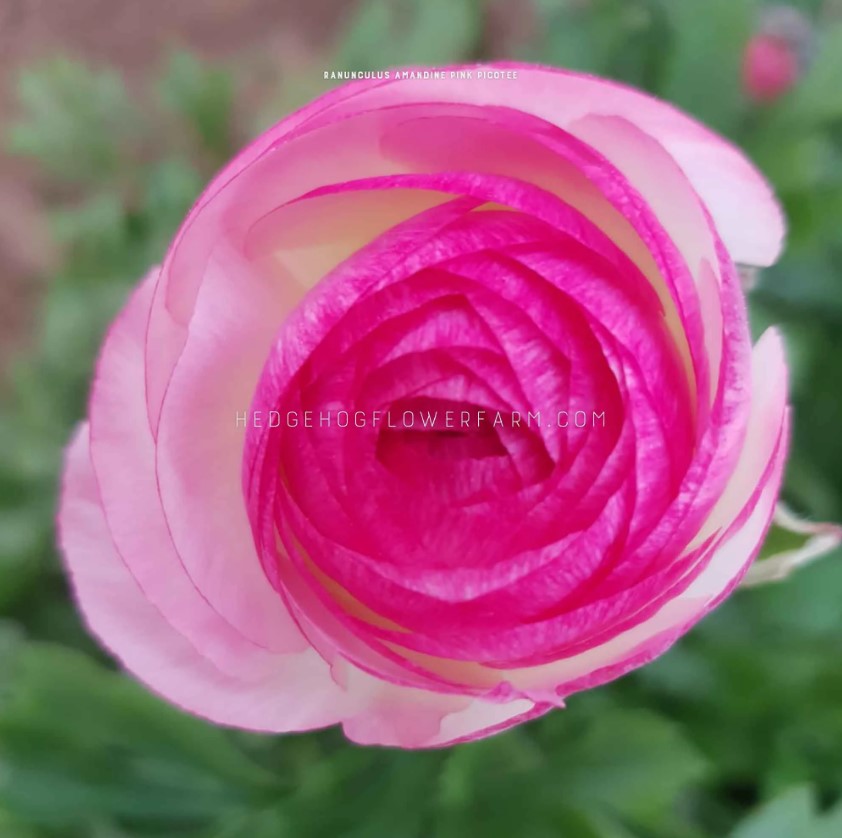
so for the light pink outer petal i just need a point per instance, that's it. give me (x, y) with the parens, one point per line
(407, 717)
(294, 695)
(123, 455)
(404, 724)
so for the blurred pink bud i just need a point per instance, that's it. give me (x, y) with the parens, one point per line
(777, 55)
(770, 68)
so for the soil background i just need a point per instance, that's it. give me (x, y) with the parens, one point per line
(133, 36)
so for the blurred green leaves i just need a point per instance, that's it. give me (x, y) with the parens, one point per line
(389, 33)
(791, 814)
(593, 769)
(203, 97)
(704, 69)
(633, 764)
(82, 746)
(117, 198)
(625, 39)
(80, 742)
(818, 99)
(76, 120)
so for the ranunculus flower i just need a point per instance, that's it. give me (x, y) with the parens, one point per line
(441, 407)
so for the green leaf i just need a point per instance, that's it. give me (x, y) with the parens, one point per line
(381, 793)
(633, 763)
(264, 824)
(388, 33)
(572, 38)
(622, 39)
(789, 816)
(79, 741)
(577, 823)
(795, 158)
(704, 72)
(170, 188)
(804, 288)
(830, 824)
(203, 97)
(11, 827)
(817, 100)
(76, 121)
(22, 536)
(604, 766)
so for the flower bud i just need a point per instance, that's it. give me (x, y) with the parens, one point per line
(777, 55)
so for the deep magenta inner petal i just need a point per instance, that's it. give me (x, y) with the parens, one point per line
(446, 502)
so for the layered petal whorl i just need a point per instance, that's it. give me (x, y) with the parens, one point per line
(441, 407)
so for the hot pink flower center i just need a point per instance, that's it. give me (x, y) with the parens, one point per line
(472, 437)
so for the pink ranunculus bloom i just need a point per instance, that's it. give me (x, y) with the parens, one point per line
(442, 407)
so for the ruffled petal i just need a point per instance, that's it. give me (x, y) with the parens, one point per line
(294, 693)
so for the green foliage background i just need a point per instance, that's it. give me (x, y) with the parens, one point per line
(736, 732)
